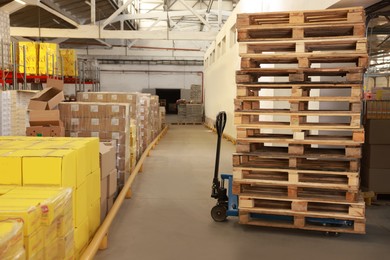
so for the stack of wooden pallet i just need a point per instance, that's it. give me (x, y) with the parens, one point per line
(299, 132)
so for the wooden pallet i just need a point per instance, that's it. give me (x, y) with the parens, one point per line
(297, 118)
(303, 206)
(301, 47)
(299, 32)
(300, 221)
(346, 75)
(295, 162)
(331, 180)
(315, 190)
(299, 90)
(303, 60)
(331, 16)
(311, 151)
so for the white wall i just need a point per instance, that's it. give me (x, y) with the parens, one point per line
(137, 77)
(220, 87)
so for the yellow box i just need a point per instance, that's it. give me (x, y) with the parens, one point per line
(11, 239)
(59, 167)
(34, 242)
(81, 205)
(10, 168)
(94, 217)
(81, 236)
(53, 202)
(69, 61)
(38, 256)
(50, 232)
(65, 223)
(92, 144)
(30, 57)
(93, 186)
(5, 188)
(51, 250)
(30, 216)
(47, 58)
(66, 245)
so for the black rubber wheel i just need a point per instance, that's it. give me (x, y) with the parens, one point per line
(218, 213)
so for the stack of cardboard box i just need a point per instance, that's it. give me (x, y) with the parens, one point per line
(5, 39)
(162, 118)
(27, 56)
(44, 114)
(144, 122)
(154, 117)
(108, 175)
(108, 121)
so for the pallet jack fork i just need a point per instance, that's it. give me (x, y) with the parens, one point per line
(227, 202)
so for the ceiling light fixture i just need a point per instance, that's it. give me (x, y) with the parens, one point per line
(20, 2)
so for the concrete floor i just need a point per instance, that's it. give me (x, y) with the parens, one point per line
(168, 217)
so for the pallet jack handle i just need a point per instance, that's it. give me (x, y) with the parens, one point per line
(219, 126)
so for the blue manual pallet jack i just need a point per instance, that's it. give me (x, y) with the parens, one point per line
(227, 202)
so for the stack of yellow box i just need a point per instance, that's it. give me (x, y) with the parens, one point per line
(51, 222)
(48, 58)
(69, 61)
(11, 240)
(27, 52)
(61, 162)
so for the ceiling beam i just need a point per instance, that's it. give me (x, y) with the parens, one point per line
(157, 15)
(116, 13)
(194, 13)
(59, 15)
(94, 32)
(55, 7)
(93, 11)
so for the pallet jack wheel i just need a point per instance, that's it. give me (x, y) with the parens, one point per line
(218, 213)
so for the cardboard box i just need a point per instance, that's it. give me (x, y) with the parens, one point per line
(103, 198)
(110, 202)
(45, 118)
(107, 151)
(376, 180)
(52, 131)
(376, 156)
(49, 97)
(112, 183)
(377, 131)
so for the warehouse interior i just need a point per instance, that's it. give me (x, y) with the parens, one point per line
(126, 97)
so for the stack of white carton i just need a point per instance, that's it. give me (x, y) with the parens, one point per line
(5, 40)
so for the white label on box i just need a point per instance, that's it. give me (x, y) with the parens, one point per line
(74, 108)
(95, 134)
(142, 117)
(115, 135)
(114, 121)
(94, 108)
(74, 121)
(129, 97)
(114, 97)
(85, 96)
(73, 134)
(100, 97)
(115, 109)
(142, 101)
(141, 109)
(94, 121)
